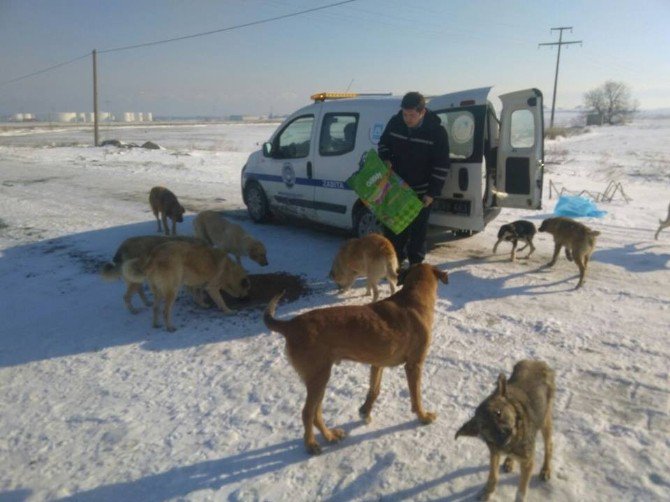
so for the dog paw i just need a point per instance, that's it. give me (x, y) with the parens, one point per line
(545, 474)
(427, 417)
(508, 465)
(171, 329)
(335, 435)
(365, 415)
(313, 448)
(484, 495)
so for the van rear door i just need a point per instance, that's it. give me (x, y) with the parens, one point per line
(520, 165)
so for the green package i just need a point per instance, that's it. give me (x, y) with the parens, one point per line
(388, 196)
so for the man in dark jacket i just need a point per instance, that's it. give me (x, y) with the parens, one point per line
(414, 144)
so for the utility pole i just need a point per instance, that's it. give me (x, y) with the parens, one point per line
(558, 60)
(95, 98)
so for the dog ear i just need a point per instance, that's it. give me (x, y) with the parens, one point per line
(469, 428)
(502, 385)
(441, 275)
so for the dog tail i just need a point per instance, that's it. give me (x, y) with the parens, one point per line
(134, 270)
(268, 316)
(111, 271)
(594, 233)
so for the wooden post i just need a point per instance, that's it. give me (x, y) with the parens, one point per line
(95, 98)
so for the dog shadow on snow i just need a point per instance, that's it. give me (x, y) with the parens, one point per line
(634, 257)
(484, 288)
(57, 304)
(179, 482)
(242, 468)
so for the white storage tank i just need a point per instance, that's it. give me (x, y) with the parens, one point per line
(66, 117)
(128, 117)
(148, 117)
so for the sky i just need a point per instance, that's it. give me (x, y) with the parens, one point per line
(364, 46)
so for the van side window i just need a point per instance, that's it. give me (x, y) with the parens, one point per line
(460, 126)
(522, 129)
(338, 133)
(293, 142)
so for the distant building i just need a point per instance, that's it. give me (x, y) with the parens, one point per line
(244, 118)
(22, 117)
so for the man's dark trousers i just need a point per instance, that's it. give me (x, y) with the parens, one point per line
(411, 242)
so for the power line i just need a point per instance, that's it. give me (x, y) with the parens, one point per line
(221, 30)
(44, 70)
(157, 42)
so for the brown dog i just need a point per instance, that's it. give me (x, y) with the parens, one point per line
(578, 239)
(509, 419)
(164, 203)
(387, 333)
(219, 232)
(663, 224)
(372, 256)
(177, 263)
(135, 247)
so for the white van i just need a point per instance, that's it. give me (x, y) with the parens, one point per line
(495, 162)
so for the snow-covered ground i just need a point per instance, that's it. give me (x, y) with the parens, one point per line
(96, 405)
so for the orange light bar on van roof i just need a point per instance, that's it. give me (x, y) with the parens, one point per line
(322, 96)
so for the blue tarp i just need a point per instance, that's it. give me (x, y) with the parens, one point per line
(575, 207)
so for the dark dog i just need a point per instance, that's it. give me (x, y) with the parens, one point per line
(578, 239)
(164, 203)
(509, 419)
(390, 332)
(520, 230)
(663, 224)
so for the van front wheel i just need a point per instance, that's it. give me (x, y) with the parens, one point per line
(365, 222)
(257, 202)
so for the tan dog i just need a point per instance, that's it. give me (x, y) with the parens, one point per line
(212, 228)
(578, 239)
(372, 257)
(509, 419)
(387, 333)
(136, 247)
(164, 203)
(663, 224)
(177, 263)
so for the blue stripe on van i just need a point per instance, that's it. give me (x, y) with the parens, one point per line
(334, 184)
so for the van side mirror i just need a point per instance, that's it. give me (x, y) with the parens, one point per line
(267, 149)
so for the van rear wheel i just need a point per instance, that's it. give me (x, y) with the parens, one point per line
(365, 222)
(257, 202)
